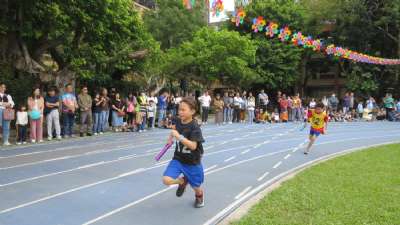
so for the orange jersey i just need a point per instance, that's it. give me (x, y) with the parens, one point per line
(317, 120)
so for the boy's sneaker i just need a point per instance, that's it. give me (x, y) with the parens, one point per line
(49, 138)
(95, 134)
(33, 141)
(101, 133)
(199, 201)
(59, 138)
(40, 141)
(7, 143)
(182, 187)
(24, 143)
(19, 143)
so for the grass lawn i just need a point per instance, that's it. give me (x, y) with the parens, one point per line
(359, 188)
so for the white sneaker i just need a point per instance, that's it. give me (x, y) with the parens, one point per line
(24, 143)
(101, 133)
(49, 138)
(223, 123)
(40, 141)
(7, 143)
(95, 134)
(230, 122)
(59, 138)
(19, 143)
(33, 141)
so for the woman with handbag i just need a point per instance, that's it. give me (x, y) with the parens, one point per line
(35, 111)
(118, 113)
(7, 113)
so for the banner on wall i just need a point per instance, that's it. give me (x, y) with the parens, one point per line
(220, 10)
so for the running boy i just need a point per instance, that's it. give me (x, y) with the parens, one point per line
(188, 153)
(319, 123)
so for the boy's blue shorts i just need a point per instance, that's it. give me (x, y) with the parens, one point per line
(194, 173)
(315, 132)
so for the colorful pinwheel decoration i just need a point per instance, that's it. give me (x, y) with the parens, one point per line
(284, 34)
(271, 29)
(217, 7)
(238, 16)
(258, 24)
(189, 4)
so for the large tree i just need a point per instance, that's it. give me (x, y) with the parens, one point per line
(71, 39)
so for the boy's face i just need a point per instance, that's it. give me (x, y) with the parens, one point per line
(52, 93)
(318, 110)
(23, 109)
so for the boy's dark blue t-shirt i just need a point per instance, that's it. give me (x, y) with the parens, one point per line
(192, 132)
(50, 99)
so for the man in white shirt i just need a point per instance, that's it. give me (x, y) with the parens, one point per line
(263, 100)
(155, 102)
(205, 101)
(5, 102)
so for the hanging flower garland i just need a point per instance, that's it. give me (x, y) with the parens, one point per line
(298, 39)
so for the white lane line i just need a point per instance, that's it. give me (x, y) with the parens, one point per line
(209, 147)
(229, 159)
(86, 166)
(263, 176)
(127, 157)
(163, 162)
(257, 146)
(277, 165)
(245, 151)
(266, 142)
(128, 205)
(61, 158)
(243, 192)
(210, 168)
(287, 156)
(151, 150)
(72, 190)
(52, 174)
(295, 149)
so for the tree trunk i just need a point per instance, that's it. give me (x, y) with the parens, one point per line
(63, 77)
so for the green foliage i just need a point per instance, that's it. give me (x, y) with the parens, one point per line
(90, 37)
(172, 24)
(215, 55)
(361, 80)
(277, 63)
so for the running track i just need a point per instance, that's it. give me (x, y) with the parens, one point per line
(113, 179)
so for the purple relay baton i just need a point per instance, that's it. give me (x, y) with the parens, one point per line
(163, 151)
